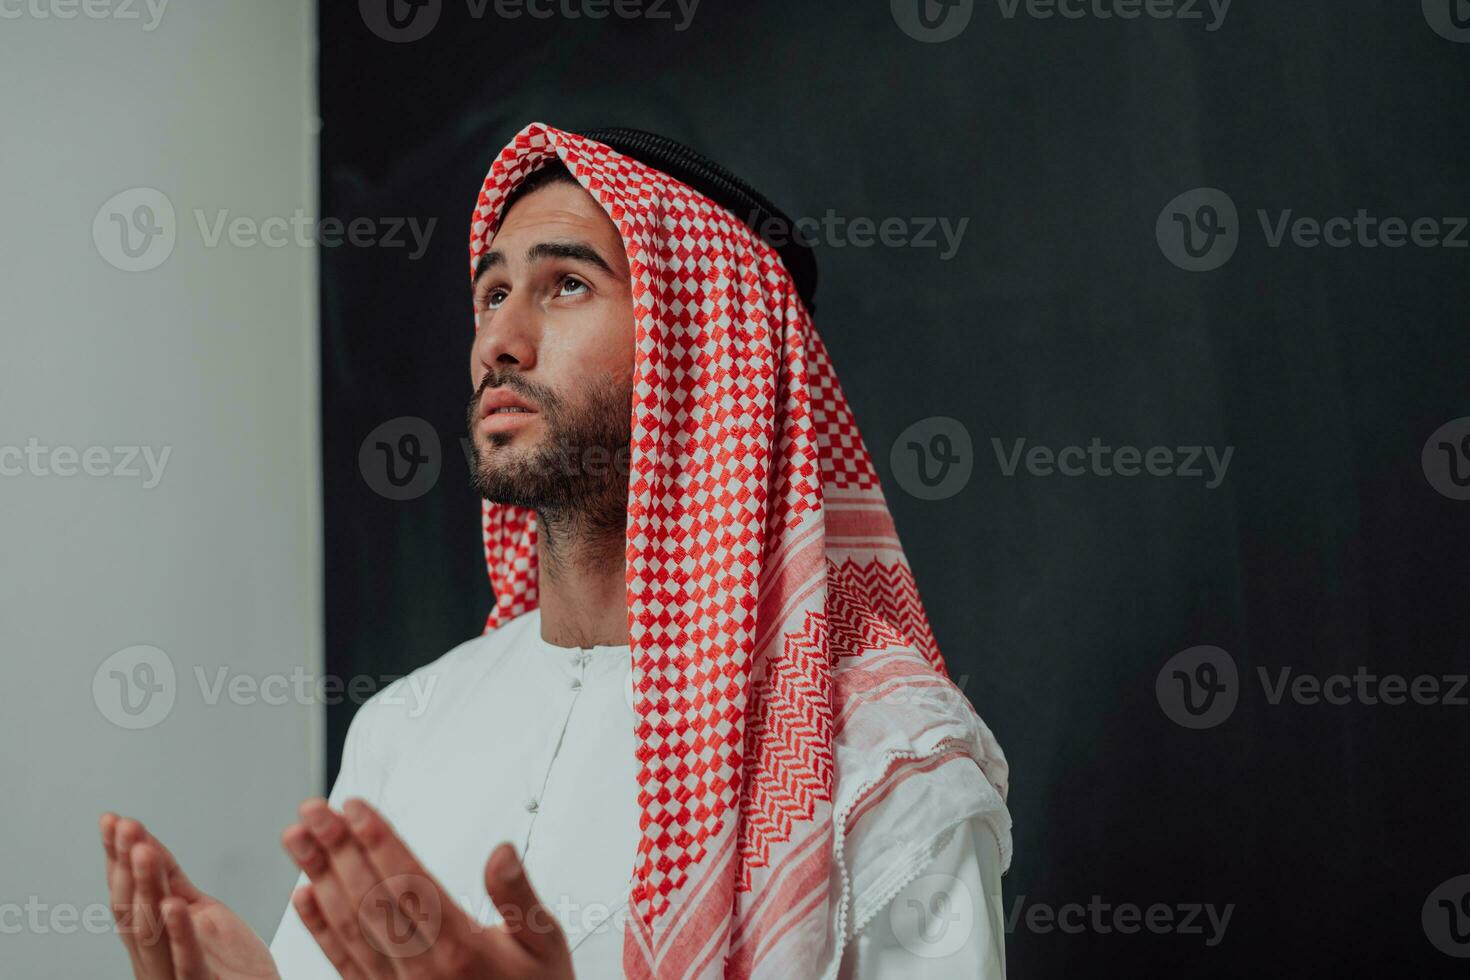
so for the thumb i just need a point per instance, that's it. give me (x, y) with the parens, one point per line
(178, 882)
(529, 922)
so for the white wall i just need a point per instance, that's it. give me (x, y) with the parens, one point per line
(211, 356)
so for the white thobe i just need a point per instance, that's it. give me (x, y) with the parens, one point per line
(508, 737)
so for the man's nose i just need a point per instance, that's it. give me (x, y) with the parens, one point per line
(507, 337)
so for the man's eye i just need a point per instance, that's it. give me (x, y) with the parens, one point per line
(493, 299)
(576, 286)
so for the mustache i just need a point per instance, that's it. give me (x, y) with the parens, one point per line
(540, 395)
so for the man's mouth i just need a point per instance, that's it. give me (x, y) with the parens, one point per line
(496, 400)
(502, 410)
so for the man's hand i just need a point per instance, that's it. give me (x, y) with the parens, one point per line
(376, 913)
(172, 930)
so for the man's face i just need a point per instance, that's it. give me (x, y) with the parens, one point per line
(552, 361)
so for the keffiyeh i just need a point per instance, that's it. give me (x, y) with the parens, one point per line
(802, 746)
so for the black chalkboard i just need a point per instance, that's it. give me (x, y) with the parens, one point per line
(1126, 287)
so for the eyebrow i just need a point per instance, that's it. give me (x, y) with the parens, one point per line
(574, 250)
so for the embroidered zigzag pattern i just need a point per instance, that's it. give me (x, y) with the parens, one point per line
(891, 597)
(788, 756)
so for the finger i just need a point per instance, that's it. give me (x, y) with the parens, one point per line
(108, 825)
(183, 941)
(304, 900)
(349, 865)
(126, 834)
(148, 895)
(417, 895)
(359, 880)
(120, 887)
(337, 907)
(528, 921)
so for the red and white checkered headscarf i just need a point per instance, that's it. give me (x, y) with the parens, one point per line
(801, 744)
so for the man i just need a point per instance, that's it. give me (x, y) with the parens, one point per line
(708, 719)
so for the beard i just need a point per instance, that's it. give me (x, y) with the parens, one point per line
(578, 473)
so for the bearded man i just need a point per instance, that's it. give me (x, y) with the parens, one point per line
(707, 721)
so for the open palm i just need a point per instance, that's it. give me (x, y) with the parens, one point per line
(171, 929)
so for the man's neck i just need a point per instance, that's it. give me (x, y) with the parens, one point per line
(582, 585)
